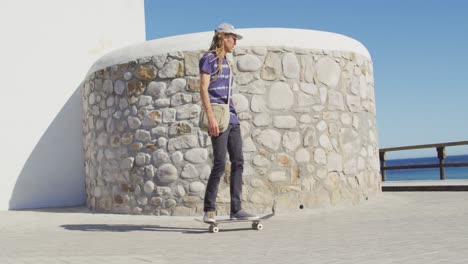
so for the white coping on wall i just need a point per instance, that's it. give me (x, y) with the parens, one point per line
(262, 37)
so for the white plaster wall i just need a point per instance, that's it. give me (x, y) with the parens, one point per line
(47, 47)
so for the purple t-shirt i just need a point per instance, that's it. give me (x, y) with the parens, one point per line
(219, 84)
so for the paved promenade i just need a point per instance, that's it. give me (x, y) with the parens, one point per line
(416, 227)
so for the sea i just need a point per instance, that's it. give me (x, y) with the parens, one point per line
(426, 174)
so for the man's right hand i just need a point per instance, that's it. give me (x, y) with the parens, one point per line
(213, 128)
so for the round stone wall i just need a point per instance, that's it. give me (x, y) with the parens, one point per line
(307, 120)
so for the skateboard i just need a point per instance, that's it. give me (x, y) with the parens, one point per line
(256, 225)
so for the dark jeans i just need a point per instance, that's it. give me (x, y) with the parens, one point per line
(230, 140)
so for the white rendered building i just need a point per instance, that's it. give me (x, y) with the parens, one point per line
(47, 48)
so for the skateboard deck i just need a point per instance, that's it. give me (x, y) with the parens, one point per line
(256, 225)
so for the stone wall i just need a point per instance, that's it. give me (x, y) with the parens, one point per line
(308, 128)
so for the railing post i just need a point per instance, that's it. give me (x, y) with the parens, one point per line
(382, 165)
(441, 156)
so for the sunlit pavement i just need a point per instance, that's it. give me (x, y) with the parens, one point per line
(400, 227)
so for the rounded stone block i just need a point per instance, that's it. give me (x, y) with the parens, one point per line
(167, 173)
(280, 96)
(248, 63)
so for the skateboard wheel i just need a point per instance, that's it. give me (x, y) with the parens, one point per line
(214, 229)
(257, 226)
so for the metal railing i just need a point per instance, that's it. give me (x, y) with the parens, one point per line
(440, 154)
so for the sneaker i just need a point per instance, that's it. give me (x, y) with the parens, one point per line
(209, 217)
(242, 215)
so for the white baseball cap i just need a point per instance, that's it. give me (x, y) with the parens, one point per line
(227, 28)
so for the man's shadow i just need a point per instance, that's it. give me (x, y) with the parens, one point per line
(130, 228)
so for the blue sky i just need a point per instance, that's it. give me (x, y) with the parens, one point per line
(419, 50)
